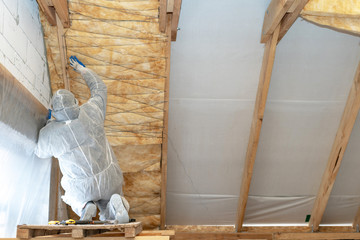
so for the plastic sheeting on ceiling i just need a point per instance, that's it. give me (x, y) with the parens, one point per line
(215, 66)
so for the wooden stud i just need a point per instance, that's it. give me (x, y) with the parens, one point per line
(164, 147)
(62, 9)
(175, 19)
(290, 18)
(263, 87)
(337, 152)
(49, 11)
(273, 15)
(62, 46)
(300, 236)
(162, 15)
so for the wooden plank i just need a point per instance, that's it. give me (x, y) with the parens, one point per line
(295, 236)
(77, 233)
(89, 227)
(103, 238)
(337, 152)
(293, 6)
(170, 6)
(164, 147)
(157, 233)
(63, 56)
(175, 19)
(290, 18)
(49, 11)
(220, 236)
(24, 233)
(62, 10)
(273, 15)
(356, 223)
(263, 87)
(162, 15)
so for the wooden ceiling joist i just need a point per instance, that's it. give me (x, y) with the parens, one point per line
(273, 15)
(281, 14)
(337, 152)
(263, 88)
(49, 11)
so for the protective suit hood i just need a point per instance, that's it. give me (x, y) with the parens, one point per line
(65, 106)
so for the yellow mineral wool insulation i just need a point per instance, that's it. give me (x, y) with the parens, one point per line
(343, 15)
(120, 40)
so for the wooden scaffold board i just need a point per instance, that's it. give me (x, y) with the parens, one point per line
(129, 230)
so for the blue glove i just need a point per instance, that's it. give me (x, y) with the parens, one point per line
(75, 63)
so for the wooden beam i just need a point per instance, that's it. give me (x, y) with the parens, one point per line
(337, 152)
(49, 11)
(290, 18)
(356, 223)
(300, 236)
(170, 6)
(62, 48)
(162, 15)
(273, 15)
(263, 87)
(175, 19)
(218, 236)
(164, 149)
(62, 9)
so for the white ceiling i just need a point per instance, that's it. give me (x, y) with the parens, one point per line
(215, 66)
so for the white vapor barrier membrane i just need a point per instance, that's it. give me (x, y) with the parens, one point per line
(215, 66)
(24, 181)
(24, 178)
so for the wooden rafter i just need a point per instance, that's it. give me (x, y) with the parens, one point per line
(162, 15)
(175, 19)
(273, 15)
(287, 12)
(291, 17)
(263, 87)
(170, 6)
(164, 149)
(62, 9)
(337, 152)
(49, 11)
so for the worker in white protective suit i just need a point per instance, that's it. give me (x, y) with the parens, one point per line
(91, 174)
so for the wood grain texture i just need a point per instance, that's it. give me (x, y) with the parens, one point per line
(337, 152)
(263, 87)
(122, 43)
(175, 19)
(289, 18)
(300, 236)
(273, 15)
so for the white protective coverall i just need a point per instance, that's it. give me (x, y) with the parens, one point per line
(77, 139)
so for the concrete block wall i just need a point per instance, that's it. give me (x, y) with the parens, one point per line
(22, 48)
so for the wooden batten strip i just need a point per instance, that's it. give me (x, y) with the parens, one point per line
(175, 19)
(337, 152)
(62, 48)
(273, 15)
(162, 15)
(164, 149)
(290, 18)
(263, 88)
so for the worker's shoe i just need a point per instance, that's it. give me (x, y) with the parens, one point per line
(118, 209)
(88, 212)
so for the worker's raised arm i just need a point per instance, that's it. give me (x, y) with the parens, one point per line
(97, 87)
